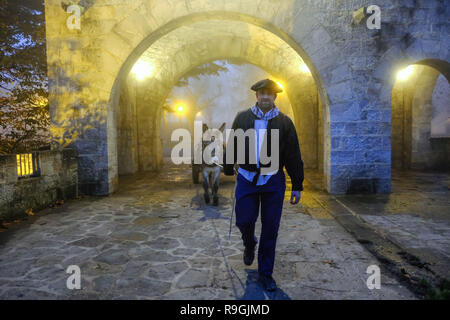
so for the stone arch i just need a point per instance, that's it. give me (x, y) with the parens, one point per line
(146, 42)
(87, 66)
(307, 132)
(315, 73)
(396, 59)
(155, 158)
(412, 144)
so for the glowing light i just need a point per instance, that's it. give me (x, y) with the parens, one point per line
(279, 83)
(304, 68)
(142, 69)
(199, 113)
(405, 73)
(180, 109)
(24, 164)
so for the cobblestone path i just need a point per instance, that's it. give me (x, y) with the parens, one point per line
(156, 239)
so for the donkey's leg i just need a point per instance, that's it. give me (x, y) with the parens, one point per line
(205, 176)
(215, 186)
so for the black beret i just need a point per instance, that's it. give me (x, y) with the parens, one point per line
(267, 83)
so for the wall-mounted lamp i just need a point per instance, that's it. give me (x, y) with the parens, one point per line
(142, 69)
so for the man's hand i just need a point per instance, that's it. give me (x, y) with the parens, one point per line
(295, 197)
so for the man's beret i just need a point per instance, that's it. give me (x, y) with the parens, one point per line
(267, 83)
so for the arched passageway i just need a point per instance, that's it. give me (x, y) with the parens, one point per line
(352, 68)
(193, 41)
(149, 93)
(191, 45)
(420, 117)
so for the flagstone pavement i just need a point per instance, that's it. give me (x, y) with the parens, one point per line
(156, 239)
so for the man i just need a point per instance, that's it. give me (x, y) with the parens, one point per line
(255, 188)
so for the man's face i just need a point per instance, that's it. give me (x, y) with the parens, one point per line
(265, 98)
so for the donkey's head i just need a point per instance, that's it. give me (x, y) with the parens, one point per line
(209, 137)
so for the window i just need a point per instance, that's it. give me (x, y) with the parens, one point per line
(28, 165)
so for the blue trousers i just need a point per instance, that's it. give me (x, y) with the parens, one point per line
(248, 199)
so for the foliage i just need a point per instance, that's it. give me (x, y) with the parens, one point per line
(210, 68)
(24, 112)
(439, 292)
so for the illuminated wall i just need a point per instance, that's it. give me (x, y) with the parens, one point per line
(413, 145)
(353, 69)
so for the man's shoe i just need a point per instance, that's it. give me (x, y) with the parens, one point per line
(268, 282)
(249, 255)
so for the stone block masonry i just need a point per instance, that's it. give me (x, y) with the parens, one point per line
(344, 107)
(58, 180)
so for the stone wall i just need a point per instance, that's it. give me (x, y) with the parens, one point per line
(58, 181)
(353, 67)
(127, 129)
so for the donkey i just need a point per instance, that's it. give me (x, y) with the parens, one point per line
(211, 169)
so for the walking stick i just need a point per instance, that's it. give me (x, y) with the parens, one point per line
(233, 204)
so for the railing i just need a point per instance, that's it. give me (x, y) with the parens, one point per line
(28, 165)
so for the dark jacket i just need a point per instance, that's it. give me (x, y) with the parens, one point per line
(290, 155)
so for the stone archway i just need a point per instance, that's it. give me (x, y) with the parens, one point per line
(248, 42)
(150, 158)
(177, 57)
(88, 65)
(413, 146)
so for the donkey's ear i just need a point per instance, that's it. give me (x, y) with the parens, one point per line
(205, 127)
(222, 127)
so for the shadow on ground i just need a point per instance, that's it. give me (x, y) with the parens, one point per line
(255, 291)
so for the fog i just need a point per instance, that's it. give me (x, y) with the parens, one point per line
(221, 96)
